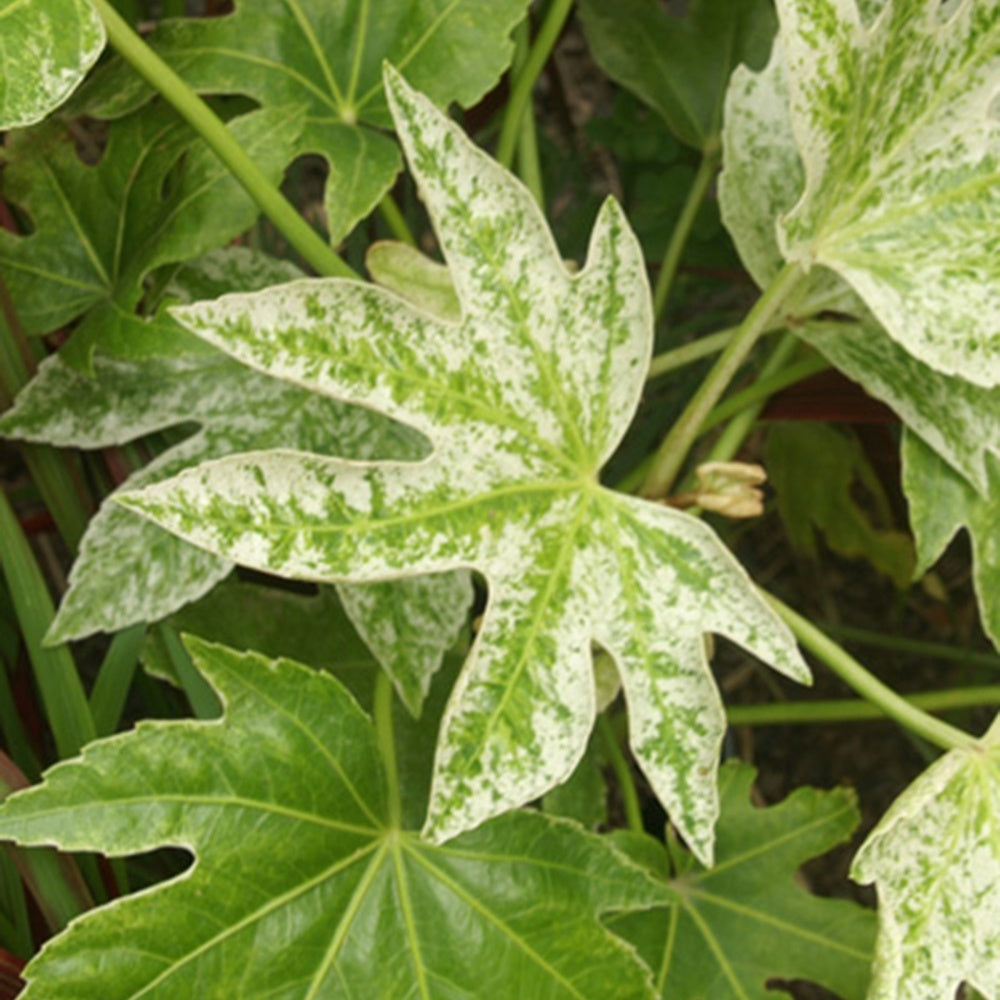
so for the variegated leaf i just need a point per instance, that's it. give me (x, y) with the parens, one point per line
(762, 178)
(303, 871)
(935, 858)
(522, 401)
(960, 420)
(46, 48)
(942, 502)
(896, 120)
(128, 569)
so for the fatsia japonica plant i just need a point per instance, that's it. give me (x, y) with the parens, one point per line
(458, 721)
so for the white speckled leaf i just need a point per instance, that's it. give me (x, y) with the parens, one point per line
(522, 400)
(301, 875)
(960, 420)
(129, 570)
(896, 121)
(46, 48)
(941, 502)
(935, 858)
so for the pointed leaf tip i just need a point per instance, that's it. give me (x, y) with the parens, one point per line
(522, 400)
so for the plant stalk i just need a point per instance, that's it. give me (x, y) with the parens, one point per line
(309, 244)
(905, 712)
(682, 228)
(673, 450)
(794, 713)
(385, 733)
(520, 95)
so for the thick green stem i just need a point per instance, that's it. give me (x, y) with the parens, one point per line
(207, 124)
(673, 451)
(623, 774)
(520, 94)
(679, 357)
(385, 733)
(682, 228)
(747, 404)
(868, 686)
(792, 713)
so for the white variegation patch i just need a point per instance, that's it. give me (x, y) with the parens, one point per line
(523, 396)
(959, 419)
(130, 570)
(935, 858)
(896, 122)
(46, 48)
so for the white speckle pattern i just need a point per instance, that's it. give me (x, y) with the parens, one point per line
(522, 399)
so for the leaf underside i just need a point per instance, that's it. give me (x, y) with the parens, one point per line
(522, 401)
(300, 878)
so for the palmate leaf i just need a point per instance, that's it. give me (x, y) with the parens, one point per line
(328, 58)
(46, 48)
(729, 931)
(679, 66)
(157, 196)
(523, 400)
(128, 569)
(935, 859)
(895, 118)
(304, 886)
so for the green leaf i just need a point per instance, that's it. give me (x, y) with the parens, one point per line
(328, 58)
(896, 122)
(522, 401)
(961, 421)
(157, 196)
(935, 858)
(815, 471)
(46, 48)
(941, 502)
(301, 878)
(679, 66)
(730, 930)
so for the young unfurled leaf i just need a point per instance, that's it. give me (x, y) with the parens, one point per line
(935, 859)
(941, 502)
(301, 875)
(814, 469)
(727, 932)
(678, 66)
(523, 401)
(46, 48)
(129, 570)
(156, 196)
(896, 121)
(328, 58)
